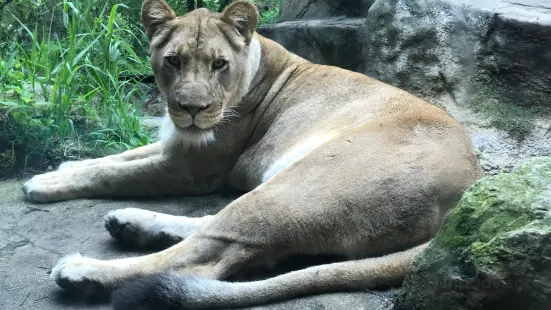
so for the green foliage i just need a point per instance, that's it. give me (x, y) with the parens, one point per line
(63, 98)
(7, 159)
(270, 16)
(269, 9)
(61, 91)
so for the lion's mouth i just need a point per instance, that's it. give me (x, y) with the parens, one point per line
(188, 124)
(198, 125)
(194, 128)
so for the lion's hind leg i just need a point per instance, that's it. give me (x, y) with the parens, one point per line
(189, 292)
(148, 229)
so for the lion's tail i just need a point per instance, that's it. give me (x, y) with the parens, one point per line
(184, 292)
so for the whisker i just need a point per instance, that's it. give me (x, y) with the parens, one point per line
(227, 121)
(230, 113)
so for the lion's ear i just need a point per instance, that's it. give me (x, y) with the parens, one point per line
(154, 14)
(243, 16)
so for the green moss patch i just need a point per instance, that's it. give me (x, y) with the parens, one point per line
(515, 118)
(494, 249)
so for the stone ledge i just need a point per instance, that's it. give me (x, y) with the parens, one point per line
(330, 41)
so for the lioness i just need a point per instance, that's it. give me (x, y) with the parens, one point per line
(334, 162)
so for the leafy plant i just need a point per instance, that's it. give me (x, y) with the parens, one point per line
(64, 68)
(63, 98)
(269, 16)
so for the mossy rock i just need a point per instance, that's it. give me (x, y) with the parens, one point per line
(506, 115)
(494, 249)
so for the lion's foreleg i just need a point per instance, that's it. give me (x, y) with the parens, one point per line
(141, 177)
(138, 153)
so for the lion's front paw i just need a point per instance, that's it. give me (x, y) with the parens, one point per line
(51, 186)
(80, 274)
(140, 228)
(37, 190)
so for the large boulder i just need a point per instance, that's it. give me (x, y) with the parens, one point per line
(494, 250)
(491, 54)
(486, 62)
(310, 9)
(329, 32)
(329, 41)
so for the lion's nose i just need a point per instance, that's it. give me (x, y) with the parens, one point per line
(193, 110)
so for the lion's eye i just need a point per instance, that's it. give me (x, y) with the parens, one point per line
(173, 60)
(219, 64)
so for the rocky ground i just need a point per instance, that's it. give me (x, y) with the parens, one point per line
(33, 237)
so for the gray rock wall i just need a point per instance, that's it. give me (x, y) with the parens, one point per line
(461, 47)
(310, 9)
(329, 41)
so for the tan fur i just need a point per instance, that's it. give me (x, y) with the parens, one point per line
(333, 161)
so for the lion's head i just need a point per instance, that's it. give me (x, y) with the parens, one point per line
(204, 62)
